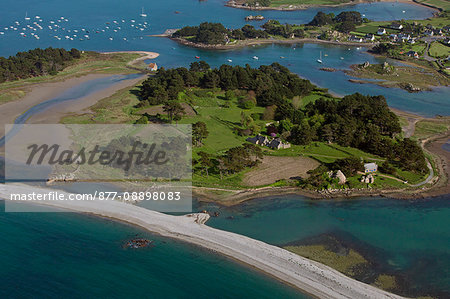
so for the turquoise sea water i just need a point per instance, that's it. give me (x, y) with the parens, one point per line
(59, 255)
(408, 238)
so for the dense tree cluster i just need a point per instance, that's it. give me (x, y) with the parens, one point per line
(216, 33)
(387, 49)
(35, 62)
(272, 85)
(363, 122)
(275, 28)
(345, 22)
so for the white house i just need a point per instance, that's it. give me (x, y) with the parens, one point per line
(370, 167)
(397, 26)
(381, 31)
(370, 36)
(429, 32)
(355, 39)
(404, 36)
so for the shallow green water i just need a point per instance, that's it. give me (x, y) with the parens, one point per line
(407, 238)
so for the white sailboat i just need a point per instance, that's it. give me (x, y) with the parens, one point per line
(143, 14)
(320, 59)
(27, 18)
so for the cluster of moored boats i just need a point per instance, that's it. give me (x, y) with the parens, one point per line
(61, 28)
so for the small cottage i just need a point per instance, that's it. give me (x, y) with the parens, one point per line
(396, 26)
(275, 143)
(413, 54)
(370, 167)
(381, 31)
(278, 144)
(370, 37)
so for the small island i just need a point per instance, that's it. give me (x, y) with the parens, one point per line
(322, 28)
(285, 4)
(254, 18)
(412, 79)
(305, 4)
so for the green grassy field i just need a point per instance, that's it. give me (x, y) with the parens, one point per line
(425, 128)
(443, 4)
(118, 108)
(11, 95)
(220, 122)
(439, 50)
(324, 153)
(303, 101)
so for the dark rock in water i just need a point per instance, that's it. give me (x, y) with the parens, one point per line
(138, 243)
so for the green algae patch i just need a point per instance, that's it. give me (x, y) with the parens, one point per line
(386, 282)
(347, 262)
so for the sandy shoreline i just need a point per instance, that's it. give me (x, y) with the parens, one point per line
(41, 92)
(54, 114)
(145, 55)
(309, 276)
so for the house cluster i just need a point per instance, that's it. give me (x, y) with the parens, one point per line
(358, 39)
(431, 31)
(275, 143)
(410, 36)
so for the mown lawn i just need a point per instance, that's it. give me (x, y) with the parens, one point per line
(426, 128)
(444, 4)
(300, 102)
(323, 152)
(220, 122)
(439, 50)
